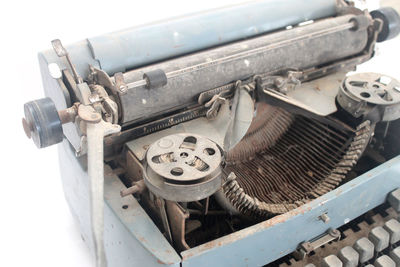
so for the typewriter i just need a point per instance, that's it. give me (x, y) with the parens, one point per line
(235, 137)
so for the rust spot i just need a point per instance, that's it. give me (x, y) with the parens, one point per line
(142, 239)
(339, 192)
(254, 229)
(317, 88)
(210, 245)
(164, 263)
(277, 219)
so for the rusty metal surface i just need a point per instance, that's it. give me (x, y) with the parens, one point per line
(68, 115)
(309, 160)
(177, 218)
(267, 127)
(279, 236)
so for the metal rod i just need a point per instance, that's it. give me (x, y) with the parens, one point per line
(68, 115)
(137, 187)
(248, 53)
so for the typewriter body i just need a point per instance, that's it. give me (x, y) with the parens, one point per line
(234, 137)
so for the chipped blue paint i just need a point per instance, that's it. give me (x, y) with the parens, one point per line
(267, 241)
(132, 239)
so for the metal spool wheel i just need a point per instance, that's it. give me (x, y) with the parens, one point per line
(363, 93)
(373, 88)
(183, 167)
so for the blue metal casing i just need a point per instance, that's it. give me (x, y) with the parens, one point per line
(133, 47)
(132, 239)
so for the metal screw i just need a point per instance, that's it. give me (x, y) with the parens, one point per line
(334, 233)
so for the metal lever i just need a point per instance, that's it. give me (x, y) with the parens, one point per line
(43, 122)
(62, 52)
(96, 129)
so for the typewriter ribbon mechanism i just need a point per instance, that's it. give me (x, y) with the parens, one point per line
(212, 134)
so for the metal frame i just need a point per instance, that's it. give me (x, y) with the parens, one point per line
(267, 241)
(132, 239)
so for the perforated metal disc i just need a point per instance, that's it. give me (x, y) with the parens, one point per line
(183, 157)
(183, 168)
(371, 95)
(374, 88)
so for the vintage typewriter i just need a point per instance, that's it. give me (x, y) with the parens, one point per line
(234, 137)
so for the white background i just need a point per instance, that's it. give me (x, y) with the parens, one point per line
(36, 228)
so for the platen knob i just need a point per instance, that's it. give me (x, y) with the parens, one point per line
(391, 23)
(42, 122)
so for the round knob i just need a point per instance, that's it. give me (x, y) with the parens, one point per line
(391, 23)
(42, 122)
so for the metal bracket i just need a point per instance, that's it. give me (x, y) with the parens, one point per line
(177, 216)
(100, 77)
(283, 84)
(62, 52)
(305, 248)
(120, 83)
(214, 105)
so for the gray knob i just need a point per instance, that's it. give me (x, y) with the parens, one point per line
(42, 122)
(391, 23)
